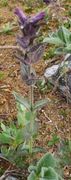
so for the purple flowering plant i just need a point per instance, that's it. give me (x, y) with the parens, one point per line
(30, 52)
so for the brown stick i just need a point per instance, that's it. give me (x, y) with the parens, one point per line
(9, 47)
(12, 47)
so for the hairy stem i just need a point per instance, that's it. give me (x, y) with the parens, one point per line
(31, 98)
(31, 89)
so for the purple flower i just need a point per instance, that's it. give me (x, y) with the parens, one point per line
(47, 1)
(29, 51)
(23, 41)
(33, 55)
(29, 26)
(40, 16)
(29, 78)
(21, 15)
(33, 20)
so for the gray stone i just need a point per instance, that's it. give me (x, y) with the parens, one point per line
(60, 75)
(4, 177)
(51, 71)
(11, 178)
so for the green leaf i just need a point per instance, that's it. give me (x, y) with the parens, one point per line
(1, 75)
(32, 168)
(68, 48)
(3, 127)
(21, 114)
(46, 161)
(49, 174)
(19, 137)
(64, 34)
(22, 100)
(51, 143)
(38, 149)
(32, 176)
(61, 37)
(39, 104)
(53, 40)
(28, 115)
(21, 119)
(59, 51)
(54, 140)
(4, 138)
(4, 150)
(7, 28)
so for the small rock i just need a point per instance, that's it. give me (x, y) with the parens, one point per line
(51, 71)
(11, 178)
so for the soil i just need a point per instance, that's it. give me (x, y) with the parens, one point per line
(56, 116)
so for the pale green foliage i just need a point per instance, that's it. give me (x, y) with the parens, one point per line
(62, 39)
(54, 140)
(7, 28)
(1, 75)
(22, 100)
(11, 135)
(15, 139)
(42, 86)
(10, 140)
(46, 169)
(37, 105)
(27, 114)
(15, 142)
(65, 153)
(4, 2)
